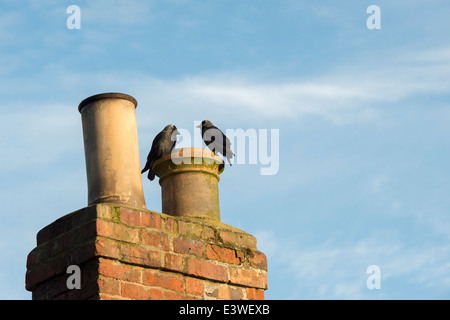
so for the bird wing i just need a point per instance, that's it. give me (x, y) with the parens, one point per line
(154, 153)
(222, 145)
(226, 145)
(161, 146)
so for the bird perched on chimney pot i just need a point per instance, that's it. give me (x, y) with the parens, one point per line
(162, 145)
(216, 140)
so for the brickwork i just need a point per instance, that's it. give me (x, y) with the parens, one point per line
(126, 253)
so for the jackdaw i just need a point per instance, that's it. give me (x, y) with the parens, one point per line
(216, 141)
(162, 145)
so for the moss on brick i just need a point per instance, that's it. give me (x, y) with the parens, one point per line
(205, 251)
(116, 214)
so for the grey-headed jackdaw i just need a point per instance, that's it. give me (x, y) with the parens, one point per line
(215, 139)
(162, 145)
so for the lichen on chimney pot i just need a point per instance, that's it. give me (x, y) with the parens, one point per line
(189, 180)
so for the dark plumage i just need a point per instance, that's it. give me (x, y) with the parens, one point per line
(162, 145)
(216, 141)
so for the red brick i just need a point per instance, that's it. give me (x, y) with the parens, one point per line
(207, 270)
(78, 255)
(49, 232)
(173, 262)
(109, 286)
(223, 291)
(194, 286)
(142, 256)
(188, 246)
(89, 271)
(117, 231)
(240, 255)
(105, 212)
(170, 295)
(195, 230)
(153, 259)
(240, 239)
(258, 260)
(230, 293)
(58, 285)
(170, 225)
(72, 238)
(119, 271)
(248, 277)
(139, 292)
(155, 239)
(42, 273)
(106, 248)
(134, 254)
(131, 217)
(140, 218)
(66, 223)
(33, 258)
(161, 279)
(88, 290)
(151, 220)
(218, 253)
(53, 266)
(254, 294)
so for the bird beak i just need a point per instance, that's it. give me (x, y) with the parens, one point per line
(177, 132)
(199, 126)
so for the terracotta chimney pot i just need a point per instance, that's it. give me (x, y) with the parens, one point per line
(189, 179)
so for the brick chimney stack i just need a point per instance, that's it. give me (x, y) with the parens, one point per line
(124, 251)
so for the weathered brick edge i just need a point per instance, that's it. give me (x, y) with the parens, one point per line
(126, 253)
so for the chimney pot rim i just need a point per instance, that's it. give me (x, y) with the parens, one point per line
(182, 154)
(189, 152)
(107, 95)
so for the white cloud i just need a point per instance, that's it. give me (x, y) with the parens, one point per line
(348, 96)
(341, 98)
(227, 96)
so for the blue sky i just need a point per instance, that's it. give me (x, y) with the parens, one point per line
(363, 117)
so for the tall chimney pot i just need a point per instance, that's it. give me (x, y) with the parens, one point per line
(111, 150)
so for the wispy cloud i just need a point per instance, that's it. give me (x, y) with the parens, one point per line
(352, 93)
(258, 98)
(342, 97)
